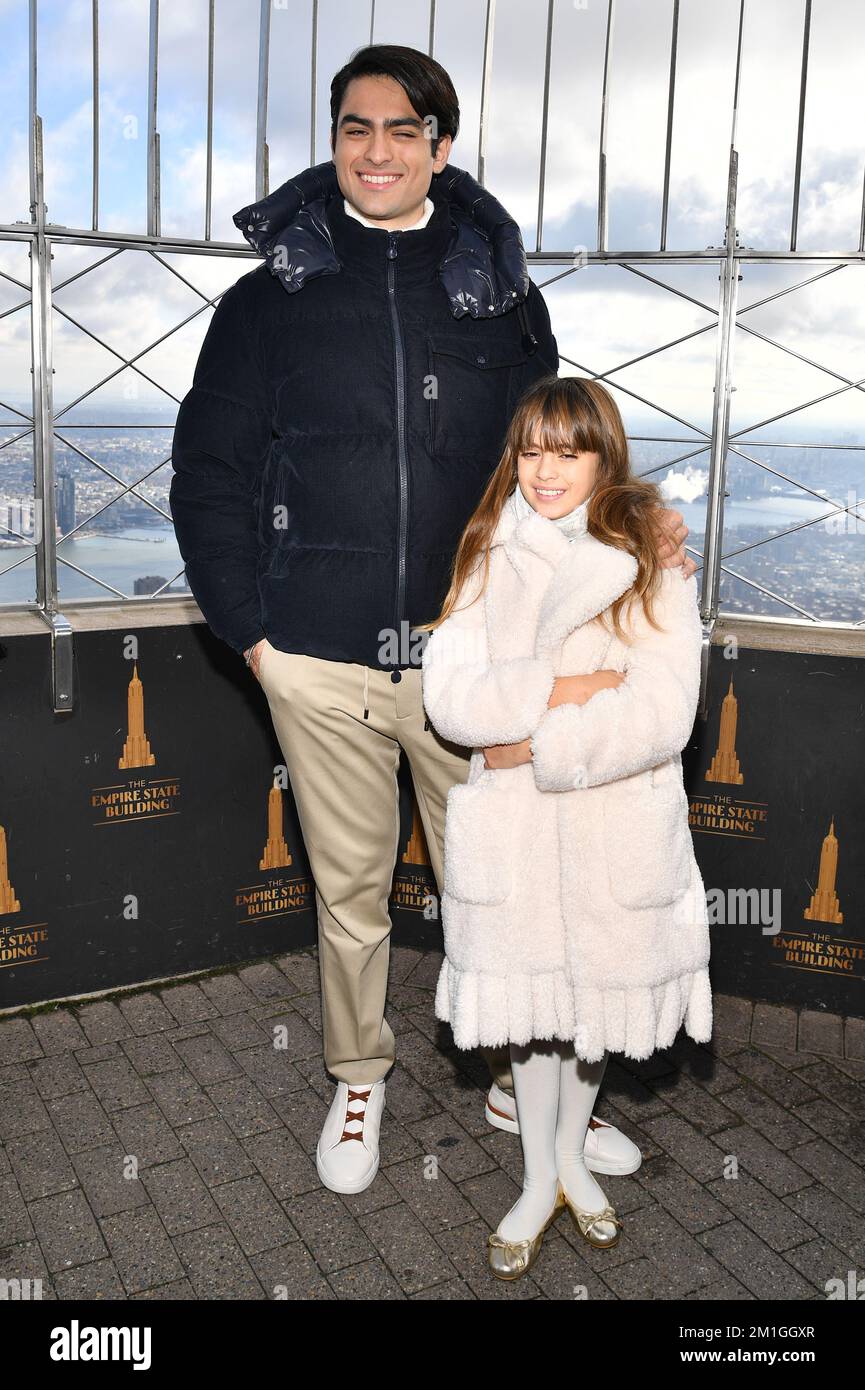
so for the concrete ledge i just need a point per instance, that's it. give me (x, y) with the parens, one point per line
(784, 635)
(100, 616)
(766, 634)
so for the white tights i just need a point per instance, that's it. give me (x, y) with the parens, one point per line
(555, 1094)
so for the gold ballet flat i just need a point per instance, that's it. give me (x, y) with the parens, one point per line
(599, 1228)
(511, 1259)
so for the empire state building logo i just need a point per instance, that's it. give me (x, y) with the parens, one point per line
(824, 906)
(725, 764)
(276, 853)
(136, 749)
(8, 900)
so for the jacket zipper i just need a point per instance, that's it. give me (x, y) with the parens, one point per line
(399, 360)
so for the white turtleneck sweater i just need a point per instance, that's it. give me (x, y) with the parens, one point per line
(573, 524)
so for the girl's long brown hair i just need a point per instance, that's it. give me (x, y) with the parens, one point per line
(570, 414)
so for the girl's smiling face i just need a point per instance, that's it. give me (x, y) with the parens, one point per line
(556, 482)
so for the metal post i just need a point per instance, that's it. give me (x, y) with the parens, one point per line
(727, 302)
(800, 126)
(486, 78)
(605, 116)
(208, 170)
(671, 105)
(261, 162)
(153, 214)
(544, 126)
(95, 70)
(43, 440)
(313, 78)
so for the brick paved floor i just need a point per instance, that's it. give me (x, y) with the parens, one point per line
(227, 1203)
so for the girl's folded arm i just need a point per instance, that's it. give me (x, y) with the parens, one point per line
(471, 700)
(646, 719)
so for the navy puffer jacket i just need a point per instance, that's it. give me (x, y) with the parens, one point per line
(348, 406)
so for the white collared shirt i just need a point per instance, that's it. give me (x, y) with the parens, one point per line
(428, 210)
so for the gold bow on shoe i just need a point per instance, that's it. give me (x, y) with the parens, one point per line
(510, 1259)
(586, 1220)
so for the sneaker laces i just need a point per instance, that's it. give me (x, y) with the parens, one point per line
(355, 1118)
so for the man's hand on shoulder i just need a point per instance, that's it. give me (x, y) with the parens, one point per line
(672, 534)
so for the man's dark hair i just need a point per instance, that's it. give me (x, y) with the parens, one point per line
(424, 81)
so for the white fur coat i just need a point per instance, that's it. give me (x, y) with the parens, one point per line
(572, 904)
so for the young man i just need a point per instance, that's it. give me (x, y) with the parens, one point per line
(348, 406)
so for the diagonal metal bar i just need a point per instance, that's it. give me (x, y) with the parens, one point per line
(86, 270)
(673, 289)
(800, 357)
(691, 260)
(126, 488)
(662, 347)
(13, 280)
(23, 434)
(131, 361)
(162, 588)
(644, 400)
(673, 462)
(791, 289)
(22, 561)
(776, 472)
(85, 574)
(804, 405)
(15, 308)
(769, 593)
(779, 535)
(172, 270)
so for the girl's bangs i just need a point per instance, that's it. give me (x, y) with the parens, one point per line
(561, 430)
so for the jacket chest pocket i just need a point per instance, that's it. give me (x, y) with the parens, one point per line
(648, 844)
(478, 840)
(471, 389)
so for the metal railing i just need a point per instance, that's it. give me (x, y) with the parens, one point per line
(727, 317)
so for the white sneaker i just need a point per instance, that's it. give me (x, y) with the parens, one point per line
(501, 1110)
(607, 1149)
(347, 1154)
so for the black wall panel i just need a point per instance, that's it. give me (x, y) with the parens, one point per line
(116, 875)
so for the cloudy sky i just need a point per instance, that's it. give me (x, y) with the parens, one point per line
(602, 316)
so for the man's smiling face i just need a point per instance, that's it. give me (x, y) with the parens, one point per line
(383, 152)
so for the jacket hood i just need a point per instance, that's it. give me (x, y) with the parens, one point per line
(483, 271)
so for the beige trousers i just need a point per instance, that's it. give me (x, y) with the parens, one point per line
(343, 773)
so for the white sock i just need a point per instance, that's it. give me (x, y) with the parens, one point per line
(579, 1083)
(535, 1069)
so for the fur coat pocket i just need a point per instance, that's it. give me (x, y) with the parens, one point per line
(478, 840)
(647, 841)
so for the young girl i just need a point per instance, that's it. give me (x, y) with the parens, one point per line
(573, 910)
